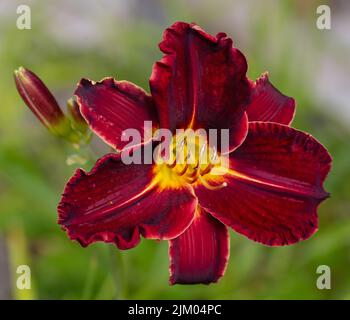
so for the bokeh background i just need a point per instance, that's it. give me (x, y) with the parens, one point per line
(94, 39)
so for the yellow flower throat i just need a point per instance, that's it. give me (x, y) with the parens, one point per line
(188, 159)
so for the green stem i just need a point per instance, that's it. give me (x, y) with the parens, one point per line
(117, 270)
(90, 279)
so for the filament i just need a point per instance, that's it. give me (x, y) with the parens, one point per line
(209, 186)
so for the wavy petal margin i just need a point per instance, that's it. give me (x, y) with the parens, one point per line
(268, 104)
(110, 107)
(274, 185)
(116, 203)
(201, 82)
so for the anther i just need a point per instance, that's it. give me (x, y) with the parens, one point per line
(194, 174)
(182, 143)
(201, 152)
(189, 154)
(215, 154)
(183, 171)
(211, 187)
(172, 165)
(206, 170)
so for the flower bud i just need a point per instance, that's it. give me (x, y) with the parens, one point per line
(77, 121)
(43, 104)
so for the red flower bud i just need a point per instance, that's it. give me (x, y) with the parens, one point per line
(42, 103)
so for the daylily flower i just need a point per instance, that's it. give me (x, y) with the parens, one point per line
(269, 194)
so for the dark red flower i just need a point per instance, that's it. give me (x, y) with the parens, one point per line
(270, 192)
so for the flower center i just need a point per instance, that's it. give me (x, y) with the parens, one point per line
(188, 159)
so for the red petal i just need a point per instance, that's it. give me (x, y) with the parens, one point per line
(200, 254)
(200, 82)
(110, 107)
(270, 105)
(117, 202)
(274, 185)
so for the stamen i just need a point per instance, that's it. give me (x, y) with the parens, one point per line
(201, 152)
(194, 174)
(189, 155)
(176, 153)
(172, 165)
(207, 169)
(209, 186)
(191, 181)
(215, 154)
(183, 171)
(188, 163)
(178, 148)
(182, 143)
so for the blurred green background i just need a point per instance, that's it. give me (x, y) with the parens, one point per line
(94, 39)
